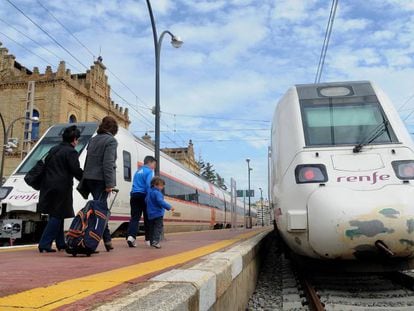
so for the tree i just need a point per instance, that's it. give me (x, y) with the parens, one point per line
(201, 165)
(209, 173)
(220, 182)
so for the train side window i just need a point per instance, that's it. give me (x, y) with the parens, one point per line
(127, 165)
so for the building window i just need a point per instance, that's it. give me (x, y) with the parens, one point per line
(72, 119)
(35, 125)
(127, 165)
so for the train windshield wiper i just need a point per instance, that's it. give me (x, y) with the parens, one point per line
(377, 132)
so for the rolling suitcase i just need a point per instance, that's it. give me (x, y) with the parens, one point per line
(88, 226)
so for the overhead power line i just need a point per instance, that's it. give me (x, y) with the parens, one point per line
(146, 106)
(37, 43)
(214, 130)
(325, 44)
(406, 102)
(212, 117)
(25, 48)
(228, 140)
(46, 33)
(64, 27)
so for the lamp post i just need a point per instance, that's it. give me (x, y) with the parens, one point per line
(249, 222)
(6, 138)
(176, 42)
(261, 203)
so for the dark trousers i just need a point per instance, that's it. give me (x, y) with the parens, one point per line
(156, 229)
(97, 189)
(53, 232)
(138, 208)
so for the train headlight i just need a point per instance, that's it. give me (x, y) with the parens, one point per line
(311, 173)
(404, 169)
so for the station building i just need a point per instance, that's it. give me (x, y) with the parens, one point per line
(184, 155)
(53, 97)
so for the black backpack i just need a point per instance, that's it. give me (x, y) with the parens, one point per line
(34, 177)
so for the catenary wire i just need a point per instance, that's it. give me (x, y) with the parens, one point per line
(46, 33)
(64, 27)
(25, 48)
(146, 106)
(212, 117)
(37, 43)
(325, 45)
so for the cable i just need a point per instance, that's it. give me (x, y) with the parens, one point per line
(215, 130)
(37, 43)
(23, 47)
(229, 140)
(110, 71)
(325, 45)
(212, 117)
(46, 33)
(405, 103)
(64, 27)
(143, 116)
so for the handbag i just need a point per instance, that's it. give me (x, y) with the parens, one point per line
(83, 189)
(34, 177)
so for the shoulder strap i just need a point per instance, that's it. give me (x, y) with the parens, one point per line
(46, 156)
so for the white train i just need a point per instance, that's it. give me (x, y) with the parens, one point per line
(342, 174)
(198, 204)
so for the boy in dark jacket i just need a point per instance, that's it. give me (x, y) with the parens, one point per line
(155, 210)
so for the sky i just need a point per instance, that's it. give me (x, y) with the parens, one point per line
(239, 57)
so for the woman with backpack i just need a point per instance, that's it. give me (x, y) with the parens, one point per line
(55, 199)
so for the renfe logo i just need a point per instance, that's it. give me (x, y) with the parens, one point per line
(26, 197)
(374, 178)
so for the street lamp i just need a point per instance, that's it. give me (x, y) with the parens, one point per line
(261, 203)
(249, 222)
(177, 43)
(6, 138)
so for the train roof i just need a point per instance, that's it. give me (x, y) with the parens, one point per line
(151, 147)
(332, 89)
(180, 165)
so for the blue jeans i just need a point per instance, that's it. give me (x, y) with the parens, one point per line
(97, 189)
(138, 208)
(156, 229)
(53, 232)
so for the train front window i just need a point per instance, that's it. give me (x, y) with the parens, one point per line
(332, 122)
(53, 138)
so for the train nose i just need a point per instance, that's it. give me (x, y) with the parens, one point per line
(349, 224)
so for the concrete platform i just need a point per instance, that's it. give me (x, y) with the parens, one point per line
(33, 281)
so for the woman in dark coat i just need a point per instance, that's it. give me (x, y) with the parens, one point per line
(62, 164)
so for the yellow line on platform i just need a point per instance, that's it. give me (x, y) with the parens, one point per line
(70, 291)
(19, 248)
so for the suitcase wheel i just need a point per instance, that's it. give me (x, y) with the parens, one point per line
(74, 254)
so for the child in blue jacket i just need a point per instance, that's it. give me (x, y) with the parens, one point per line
(155, 210)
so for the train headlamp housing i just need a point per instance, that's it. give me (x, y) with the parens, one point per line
(310, 173)
(4, 192)
(404, 169)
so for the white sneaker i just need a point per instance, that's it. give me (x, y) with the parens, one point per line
(157, 245)
(131, 242)
(148, 243)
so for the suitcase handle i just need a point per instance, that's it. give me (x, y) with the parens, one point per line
(116, 191)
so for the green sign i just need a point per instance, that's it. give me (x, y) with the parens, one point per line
(245, 193)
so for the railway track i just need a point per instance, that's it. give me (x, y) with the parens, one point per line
(350, 291)
(282, 286)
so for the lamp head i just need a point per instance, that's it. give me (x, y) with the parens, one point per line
(247, 160)
(34, 119)
(176, 42)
